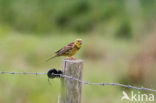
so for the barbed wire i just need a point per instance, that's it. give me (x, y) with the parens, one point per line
(80, 81)
(25, 73)
(103, 83)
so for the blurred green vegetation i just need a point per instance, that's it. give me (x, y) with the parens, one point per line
(29, 52)
(113, 32)
(44, 17)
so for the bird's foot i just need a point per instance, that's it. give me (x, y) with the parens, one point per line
(70, 58)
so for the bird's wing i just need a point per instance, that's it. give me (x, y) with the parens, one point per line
(65, 49)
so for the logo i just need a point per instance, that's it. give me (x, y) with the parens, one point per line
(137, 97)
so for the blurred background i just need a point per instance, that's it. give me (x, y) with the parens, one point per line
(118, 46)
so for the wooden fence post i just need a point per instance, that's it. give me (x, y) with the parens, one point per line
(71, 89)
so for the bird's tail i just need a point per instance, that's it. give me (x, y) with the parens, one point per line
(51, 58)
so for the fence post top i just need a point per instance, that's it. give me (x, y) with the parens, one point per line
(73, 60)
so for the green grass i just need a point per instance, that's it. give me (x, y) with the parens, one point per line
(27, 53)
(31, 31)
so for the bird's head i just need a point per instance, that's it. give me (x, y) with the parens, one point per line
(78, 42)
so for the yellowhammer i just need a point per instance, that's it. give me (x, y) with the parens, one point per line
(68, 50)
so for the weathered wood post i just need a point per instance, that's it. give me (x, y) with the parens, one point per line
(71, 89)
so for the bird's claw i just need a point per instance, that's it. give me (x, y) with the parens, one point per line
(70, 58)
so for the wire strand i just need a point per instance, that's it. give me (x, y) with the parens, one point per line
(80, 81)
(25, 73)
(103, 83)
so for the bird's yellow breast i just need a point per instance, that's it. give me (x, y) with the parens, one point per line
(72, 51)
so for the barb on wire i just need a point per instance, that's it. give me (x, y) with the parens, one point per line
(26, 73)
(104, 84)
(52, 73)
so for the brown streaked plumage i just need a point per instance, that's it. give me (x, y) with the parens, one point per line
(68, 50)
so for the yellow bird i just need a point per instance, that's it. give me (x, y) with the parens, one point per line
(68, 50)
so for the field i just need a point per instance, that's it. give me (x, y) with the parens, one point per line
(29, 53)
(118, 47)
